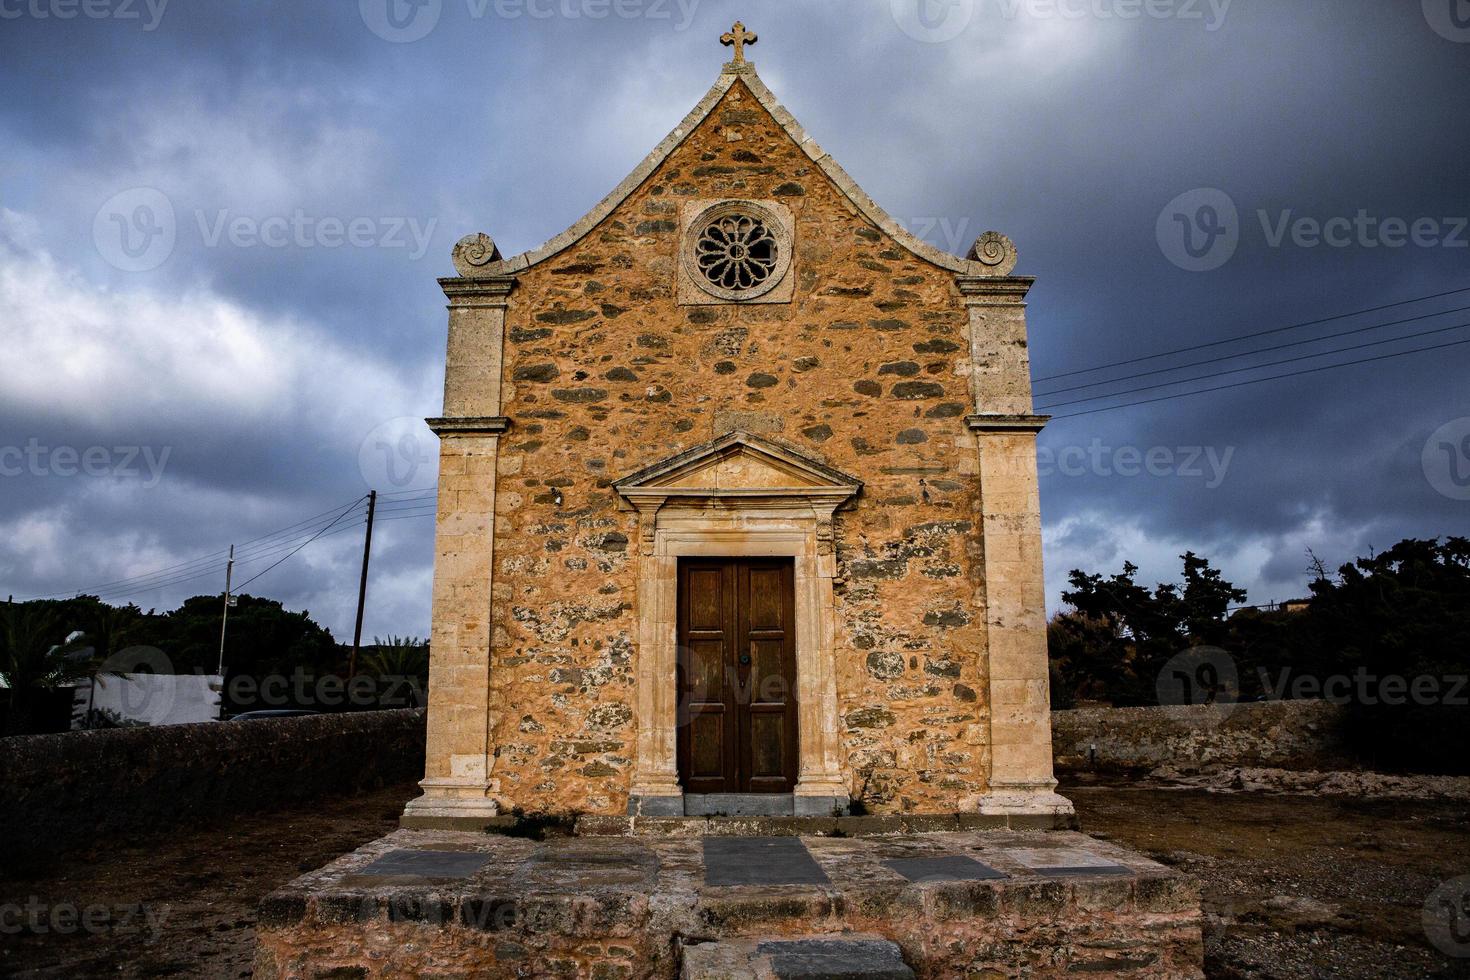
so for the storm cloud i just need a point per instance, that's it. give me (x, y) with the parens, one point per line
(220, 226)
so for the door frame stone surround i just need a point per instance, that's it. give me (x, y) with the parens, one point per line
(744, 518)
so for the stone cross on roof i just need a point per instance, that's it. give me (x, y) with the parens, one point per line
(738, 37)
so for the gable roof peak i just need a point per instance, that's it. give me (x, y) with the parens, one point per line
(986, 261)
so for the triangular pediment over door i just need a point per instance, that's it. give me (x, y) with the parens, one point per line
(738, 465)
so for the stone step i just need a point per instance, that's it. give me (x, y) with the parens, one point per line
(846, 956)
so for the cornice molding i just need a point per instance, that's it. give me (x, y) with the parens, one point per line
(488, 425)
(996, 422)
(998, 289)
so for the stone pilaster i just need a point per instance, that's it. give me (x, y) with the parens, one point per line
(458, 770)
(1020, 780)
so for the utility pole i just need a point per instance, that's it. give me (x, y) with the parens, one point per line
(367, 552)
(224, 617)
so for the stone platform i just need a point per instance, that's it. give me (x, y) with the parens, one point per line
(988, 903)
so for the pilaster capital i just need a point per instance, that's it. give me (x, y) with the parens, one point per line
(997, 422)
(490, 292)
(490, 425)
(994, 290)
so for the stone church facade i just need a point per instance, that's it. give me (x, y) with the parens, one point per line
(738, 505)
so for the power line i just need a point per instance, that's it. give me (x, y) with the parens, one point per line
(1251, 336)
(197, 569)
(151, 586)
(1250, 353)
(205, 564)
(1257, 367)
(1252, 381)
(399, 493)
(300, 546)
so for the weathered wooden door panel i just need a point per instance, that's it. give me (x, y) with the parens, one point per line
(737, 675)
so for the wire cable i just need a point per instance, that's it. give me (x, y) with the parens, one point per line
(1255, 367)
(1252, 381)
(298, 548)
(1249, 353)
(1252, 336)
(203, 565)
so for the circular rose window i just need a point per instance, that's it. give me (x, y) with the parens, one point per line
(735, 250)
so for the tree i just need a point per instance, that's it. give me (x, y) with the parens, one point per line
(1395, 618)
(397, 657)
(263, 638)
(35, 655)
(1124, 633)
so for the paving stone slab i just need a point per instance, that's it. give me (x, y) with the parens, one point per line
(1067, 862)
(949, 867)
(730, 861)
(425, 864)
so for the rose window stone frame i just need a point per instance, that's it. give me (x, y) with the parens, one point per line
(735, 251)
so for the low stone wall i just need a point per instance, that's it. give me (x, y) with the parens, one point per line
(1284, 734)
(80, 788)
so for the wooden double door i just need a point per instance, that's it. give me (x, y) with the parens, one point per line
(737, 675)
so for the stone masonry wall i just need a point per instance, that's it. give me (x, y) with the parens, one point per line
(866, 370)
(81, 787)
(1288, 734)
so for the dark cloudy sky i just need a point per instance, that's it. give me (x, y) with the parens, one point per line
(220, 225)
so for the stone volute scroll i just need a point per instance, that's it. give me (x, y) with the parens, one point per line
(995, 252)
(473, 253)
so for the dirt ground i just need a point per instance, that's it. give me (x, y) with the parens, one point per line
(1298, 886)
(1294, 886)
(200, 892)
